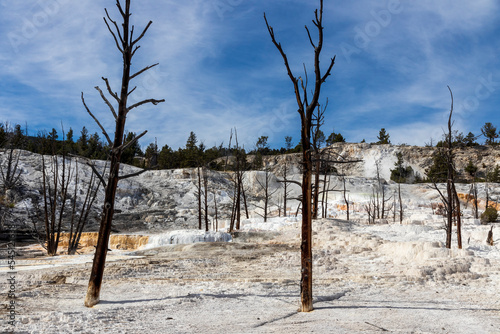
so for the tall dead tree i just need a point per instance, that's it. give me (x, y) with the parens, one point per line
(127, 45)
(450, 201)
(306, 108)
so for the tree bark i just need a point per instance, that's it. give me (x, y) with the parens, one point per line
(127, 47)
(306, 109)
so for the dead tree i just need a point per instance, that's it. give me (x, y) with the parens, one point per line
(306, 108)
(55, 184)
(264, 185)
(80, 215)
(10, 173)
(198, 195)
(286, 190)
(450, 201)
(239, 167)
(127, 45)
(473, 194)
(205, 195)
(401, 213)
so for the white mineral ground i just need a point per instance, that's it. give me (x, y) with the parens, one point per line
(385, 277)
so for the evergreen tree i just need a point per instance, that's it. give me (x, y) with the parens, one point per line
(262, 145)
(383, 137)
(490, 133)
(494, 175)
(335, 138)
(288, 143)
(470, 139)
(471, 169)
(438, 171)
(401, 174)
(82, 142)
(132, 151)
(3, 135)
(166, 158)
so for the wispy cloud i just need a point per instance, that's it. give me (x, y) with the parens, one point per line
(218, 68)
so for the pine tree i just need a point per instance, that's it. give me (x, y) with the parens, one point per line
(383, 137)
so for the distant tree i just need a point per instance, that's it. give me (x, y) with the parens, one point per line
(3, 135)
(438, 171)
(471, 169)
(83, 141)
(470, 139)
(132, 150)
(494, 175)
(335, 138)
(151, 155)
(490, 133)
(166, 158)
(288, 143)
(383, 137)
(262, 145)
(401, 174)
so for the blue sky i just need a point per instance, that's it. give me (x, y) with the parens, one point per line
(219, 69)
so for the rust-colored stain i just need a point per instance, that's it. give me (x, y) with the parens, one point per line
(116, 241)
(481, 203)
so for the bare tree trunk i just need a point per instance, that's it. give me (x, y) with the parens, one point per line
(459, 218)
(315, 207)
(199, 199)
(205, 186)
(400, 205)
(345, 197)
(127, 46)
(306, 109)
(325, 187)
(216, 213)
(243, 192)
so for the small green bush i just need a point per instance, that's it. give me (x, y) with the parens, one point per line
(489, 215)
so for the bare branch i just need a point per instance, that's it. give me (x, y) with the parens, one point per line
(142, 35)
(90, 163)
(153, 101)
(99, 124)
(113, 33)
(132, 90)
(107, 102)
(285, 59)
(143, 70)
(127, 145)
(310, 38)
(136, 48)
(132, 175)
(120, 8)
(115, 95)
(329, 69)
(291, 181)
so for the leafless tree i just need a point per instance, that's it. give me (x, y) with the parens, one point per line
(450, 201)
(124, 39)
(10, 172)
(268, 193)
(306, 109)
(239, 191)
(80, 212)
(286, 186)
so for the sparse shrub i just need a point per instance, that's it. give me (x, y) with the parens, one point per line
(489, 215)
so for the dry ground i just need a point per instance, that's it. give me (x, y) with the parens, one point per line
(363, 284)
